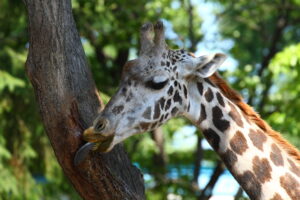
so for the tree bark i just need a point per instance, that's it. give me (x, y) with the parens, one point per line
(159, 158)
(68, 102)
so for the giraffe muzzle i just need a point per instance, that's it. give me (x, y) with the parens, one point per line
(95, 141)
(102, 141)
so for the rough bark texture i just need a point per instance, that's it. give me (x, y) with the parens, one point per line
(68, 102)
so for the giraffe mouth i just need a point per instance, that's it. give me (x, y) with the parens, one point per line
(102, 142)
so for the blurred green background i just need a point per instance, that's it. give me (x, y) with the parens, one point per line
(261, 38)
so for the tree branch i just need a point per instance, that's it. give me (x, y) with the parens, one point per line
(273, 49)
(281, 24)
(159, 158)
(239, 193)
(207, 191)
(191, 26)
(198, 159)
(68, 102)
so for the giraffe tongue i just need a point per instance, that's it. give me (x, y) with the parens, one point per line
(82, 153)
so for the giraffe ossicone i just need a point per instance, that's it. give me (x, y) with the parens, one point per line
(163, 83)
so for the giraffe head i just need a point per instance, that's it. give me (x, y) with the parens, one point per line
(154, 88)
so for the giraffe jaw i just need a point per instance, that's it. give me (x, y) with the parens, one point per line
(102, 142)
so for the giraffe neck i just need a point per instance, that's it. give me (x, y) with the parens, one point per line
(262, 168)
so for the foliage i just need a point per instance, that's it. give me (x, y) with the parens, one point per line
(285, 68)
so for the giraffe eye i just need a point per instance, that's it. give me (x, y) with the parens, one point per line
(156, 84)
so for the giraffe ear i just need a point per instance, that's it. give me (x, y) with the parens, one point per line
(209, 64)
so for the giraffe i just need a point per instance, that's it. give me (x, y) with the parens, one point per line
(163, 83)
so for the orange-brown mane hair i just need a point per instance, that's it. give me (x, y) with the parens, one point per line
(253, 116)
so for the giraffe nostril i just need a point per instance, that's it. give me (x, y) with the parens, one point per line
(100, 125)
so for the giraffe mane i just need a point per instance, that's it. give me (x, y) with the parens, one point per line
(253, 116)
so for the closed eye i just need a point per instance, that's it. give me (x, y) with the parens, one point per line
(156, 85)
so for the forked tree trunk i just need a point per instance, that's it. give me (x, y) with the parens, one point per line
(68, 102)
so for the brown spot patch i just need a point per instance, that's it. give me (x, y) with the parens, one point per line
(175, 83)
(161, 119)
(177, 98)
(162, 102)
(250, 184)
(145, 126)
(128, 65)
(168, 104)
(258, 138)
(189, 106)
(252, 116)
(229, 158)
(262, 169)
(170, 91)
(166, 116)
(147, 113)
(179, 86)
(156, 111)
(123, 91)
(238, 143)
(235, 115)
(202, 114)
(291, 186)
(276, 156)
(154, 125)
(129, 97)
(117, 109)
(212, 137)
(209, 95)
(276, 197)
(200, 88)
(174, 111)
(219, 123)
(209, 82)
(220, 99)
(185, 91)
(294, 168)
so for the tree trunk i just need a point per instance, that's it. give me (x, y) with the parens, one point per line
(68, 102)
(159, 159)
